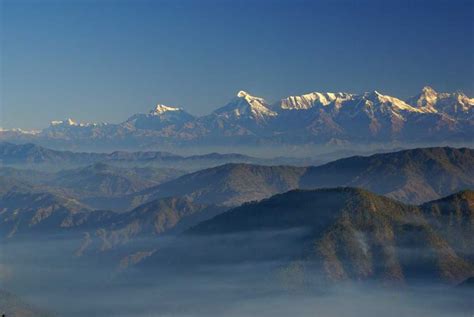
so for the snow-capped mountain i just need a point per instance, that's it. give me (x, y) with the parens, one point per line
(159, 117)
(246, 107)
(456, 105)
(68, 123)
(308, 101)
(368, 116)
(315, 117)
(245, 115)
(70, 129)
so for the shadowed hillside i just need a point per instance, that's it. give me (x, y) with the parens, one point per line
(347, 233)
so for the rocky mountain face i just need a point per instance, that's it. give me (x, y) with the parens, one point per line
(345, 233)
(311, 118)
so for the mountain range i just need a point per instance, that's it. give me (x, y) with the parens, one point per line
(411, 176)
(30, 155)
(314, 118)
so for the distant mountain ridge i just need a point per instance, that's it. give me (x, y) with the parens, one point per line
(411, 176)
(35, 156)
(310, 118)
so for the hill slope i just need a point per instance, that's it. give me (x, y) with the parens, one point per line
(230, 184)
(160, 217)
(26, 209)
(412, 176)
(346, 233)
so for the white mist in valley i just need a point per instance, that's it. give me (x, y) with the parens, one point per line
(45, 273)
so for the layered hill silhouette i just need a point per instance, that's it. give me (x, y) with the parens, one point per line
(411, 176)
(25, 209)
(33, 156)
(99, 186)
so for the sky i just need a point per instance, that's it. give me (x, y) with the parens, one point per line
(104, 60)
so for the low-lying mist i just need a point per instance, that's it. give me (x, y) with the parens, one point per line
(44, 272)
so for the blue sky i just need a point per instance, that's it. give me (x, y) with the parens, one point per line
(104, 60)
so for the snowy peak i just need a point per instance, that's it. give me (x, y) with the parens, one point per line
(161, 109)
(70, 123)
(246, 105)
(67, 122)
(315, 116)
(255, 102)
(426, 99)
(244, 94)
(428, 90)
(159, 117)
(453, 104)
(310, 100)
(377, 99)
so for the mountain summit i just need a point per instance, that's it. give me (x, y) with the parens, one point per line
(455, 105)
(160, 117)
(246, 106)
(161, 109)
(310, 100)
